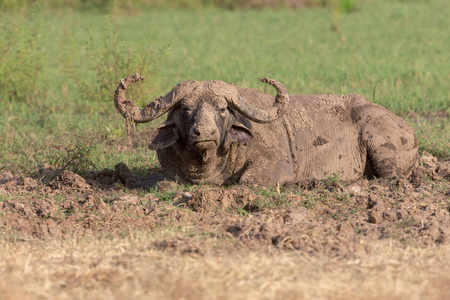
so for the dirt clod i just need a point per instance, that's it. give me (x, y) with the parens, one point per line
(71, 181)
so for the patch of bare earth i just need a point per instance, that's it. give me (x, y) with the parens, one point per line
(113, 234)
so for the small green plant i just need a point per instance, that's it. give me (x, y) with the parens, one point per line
(3, 198)
(242, 211)
(375, 87)
(166, 196)
(77, 155)
(333, 178)
(347, 6)
(337, 7)
(60, 198)
(271, 198)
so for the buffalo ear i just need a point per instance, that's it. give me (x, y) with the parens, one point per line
(164, 136)
(240, 134)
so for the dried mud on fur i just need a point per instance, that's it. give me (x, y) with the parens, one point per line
(317, 218)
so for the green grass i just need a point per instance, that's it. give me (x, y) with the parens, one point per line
(401, 48)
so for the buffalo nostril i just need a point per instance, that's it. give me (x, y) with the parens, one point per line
(196, 130)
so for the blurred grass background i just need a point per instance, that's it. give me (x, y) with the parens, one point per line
(61, 61)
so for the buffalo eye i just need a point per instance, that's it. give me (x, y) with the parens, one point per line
(187, 109)
(222, 110)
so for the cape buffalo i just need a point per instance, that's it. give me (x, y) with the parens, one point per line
(219, 133)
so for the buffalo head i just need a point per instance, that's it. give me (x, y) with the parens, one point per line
(201, 114)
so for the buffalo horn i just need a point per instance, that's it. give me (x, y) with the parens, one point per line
(129, 109)
(259, 115)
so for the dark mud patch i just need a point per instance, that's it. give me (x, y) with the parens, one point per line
(330, 218)
(104, 179)
(122, 175)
